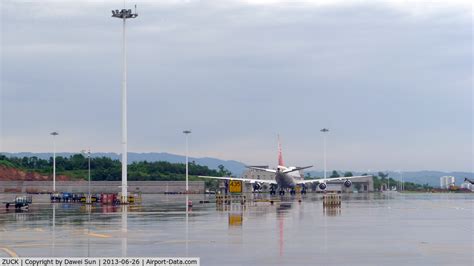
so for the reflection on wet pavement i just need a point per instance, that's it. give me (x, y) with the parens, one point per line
(413, 229)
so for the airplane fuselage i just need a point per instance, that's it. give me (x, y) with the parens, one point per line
(285, 180)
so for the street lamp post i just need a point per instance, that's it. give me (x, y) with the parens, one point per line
(187, 132)
(124, 14)
(403, 183)
(388, 183)
(324, 130)
(54, 134)
(88, 199)
(400, 182)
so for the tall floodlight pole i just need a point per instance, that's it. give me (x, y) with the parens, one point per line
(124, 14)
(89, 174)
(324, 130)
(388, 182)
(89, 199)
(401, 180)
(187, 132)
(403, 183)
(54, 134)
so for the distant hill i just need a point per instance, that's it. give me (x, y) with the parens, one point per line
(237, 168)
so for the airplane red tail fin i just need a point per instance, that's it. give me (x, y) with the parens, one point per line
(280, 155)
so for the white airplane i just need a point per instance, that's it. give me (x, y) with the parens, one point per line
(467, 180)
(285, 178)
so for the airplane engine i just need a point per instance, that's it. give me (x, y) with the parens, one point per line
(322, 186)
(347, 183)
(257, 186)
(303, 189)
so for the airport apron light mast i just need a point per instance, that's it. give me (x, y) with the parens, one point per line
(324, 130)
(88, 153)
(54, 134)
(124, 14)
(187, 132)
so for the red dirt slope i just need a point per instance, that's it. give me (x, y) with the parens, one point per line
(13, 174)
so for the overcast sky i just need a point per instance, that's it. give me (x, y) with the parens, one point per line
(392, 80)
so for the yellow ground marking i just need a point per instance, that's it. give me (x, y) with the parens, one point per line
(39, 230)
(10, 252)
(98, 235)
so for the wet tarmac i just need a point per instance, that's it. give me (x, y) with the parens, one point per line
(368, 229)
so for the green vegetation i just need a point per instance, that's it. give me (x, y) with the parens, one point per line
(103, 168)
(383, 178)
(6, 163)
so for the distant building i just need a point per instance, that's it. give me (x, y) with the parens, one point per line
(446, 181)
(363, 184)
(256, 174)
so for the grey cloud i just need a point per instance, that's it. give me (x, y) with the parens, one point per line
(394, 88)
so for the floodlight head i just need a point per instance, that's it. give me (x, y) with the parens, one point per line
(324, 130)
(187, 132)
(54, 133)
(124, 14)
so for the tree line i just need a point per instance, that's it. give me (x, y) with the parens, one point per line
(104, 168)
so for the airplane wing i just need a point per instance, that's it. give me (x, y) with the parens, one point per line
(258, 166)
(296, 169)
(262, 169)
(326, 180)
(248, 180)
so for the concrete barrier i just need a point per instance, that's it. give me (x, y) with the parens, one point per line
(148, 187)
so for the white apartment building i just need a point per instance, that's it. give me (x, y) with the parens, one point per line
(446, 181)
